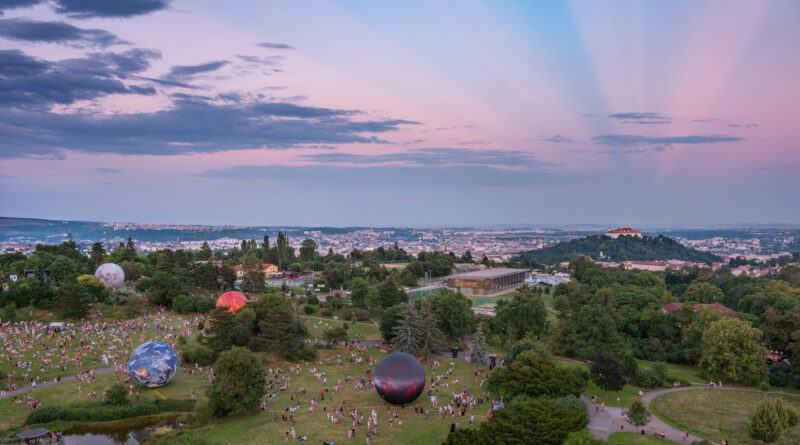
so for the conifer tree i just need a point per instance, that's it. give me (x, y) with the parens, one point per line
(205, 252)
(478, 355)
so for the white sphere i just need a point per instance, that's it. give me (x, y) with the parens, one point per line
(110, 275)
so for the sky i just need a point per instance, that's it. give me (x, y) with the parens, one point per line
(400, 113)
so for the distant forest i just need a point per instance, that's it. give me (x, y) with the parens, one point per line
(624, 248)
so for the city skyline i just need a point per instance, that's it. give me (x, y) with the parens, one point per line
(400, 115)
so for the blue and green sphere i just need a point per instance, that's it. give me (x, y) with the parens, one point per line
(153, 364)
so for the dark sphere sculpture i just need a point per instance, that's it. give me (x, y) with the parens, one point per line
(399, 378)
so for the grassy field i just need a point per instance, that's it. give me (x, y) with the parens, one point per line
(634, 438)
(67, 392)
(416, 429)
(317, 327)
(716, 414)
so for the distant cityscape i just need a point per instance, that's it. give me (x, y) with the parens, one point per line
(496, 243)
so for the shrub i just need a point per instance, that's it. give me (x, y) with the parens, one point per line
(183, 304)
(335, 335)
(361, 314)
(779, 375)
(92, 412)
(117, 395)
(309, 309)
(199, 354)
(204, 305)
(652, 377)
(580, 373)
(346, 314)
(200, 325)
(771, 419)
(327, 311)
(119, 315)
(305, 354)
(312, 299)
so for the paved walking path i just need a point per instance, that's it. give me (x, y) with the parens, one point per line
(603, 423)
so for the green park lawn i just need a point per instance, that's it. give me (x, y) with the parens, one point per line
(717, 414)
(258, 427)
(634, 439)
(63, 393)
(317, 327)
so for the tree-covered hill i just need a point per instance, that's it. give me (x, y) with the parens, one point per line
(624, 248)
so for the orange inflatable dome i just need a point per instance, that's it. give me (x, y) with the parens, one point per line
(232, 300)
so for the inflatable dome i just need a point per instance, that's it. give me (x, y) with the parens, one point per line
(399, 378)
(110, 275)
(232, 300)
(153, 364)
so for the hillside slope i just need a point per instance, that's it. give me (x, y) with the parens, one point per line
(624, 248)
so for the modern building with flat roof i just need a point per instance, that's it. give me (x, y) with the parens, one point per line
(487, 281)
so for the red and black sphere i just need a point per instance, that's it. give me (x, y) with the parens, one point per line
(399, 378)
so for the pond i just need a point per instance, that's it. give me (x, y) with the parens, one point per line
(121, 436)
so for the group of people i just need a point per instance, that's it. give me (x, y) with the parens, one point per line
(330, 399)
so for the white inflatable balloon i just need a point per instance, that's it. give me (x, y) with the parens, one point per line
(110, 275)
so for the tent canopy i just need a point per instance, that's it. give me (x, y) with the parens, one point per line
(32, 433)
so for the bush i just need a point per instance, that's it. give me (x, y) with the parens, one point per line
(780, 375)
(335, 335)
(361, 314)
(327, 311)
(312, 299)
(653, 377)
(184, 304)
(346, 314)
(92, 412)
(199, 354)
(309, 309)
(581, 373)
(200, 325)
(119, 315)
(771, 419)
(205, 305)
(305, 354)
(117, 395)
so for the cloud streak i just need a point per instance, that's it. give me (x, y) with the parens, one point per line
(631, 140)
(190, 126)
(186, 71)
(435, 157)
(34, 31)
(641, 118)
(84, 9)
(271, 45)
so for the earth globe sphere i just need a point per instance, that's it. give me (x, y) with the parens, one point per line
(153, 364)
(232, 300)
(110, 275)
(399, 378)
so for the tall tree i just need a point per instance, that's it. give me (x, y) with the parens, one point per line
(130, 250)
(477, 353)
(205, 252)
(307, 252)
(239, 384)
(731, 352)
(606, 371)
(98, 253)
(280, 332)
(453, 312)
(265, 246)
(280, 246)
(771, 419)
(407, 335)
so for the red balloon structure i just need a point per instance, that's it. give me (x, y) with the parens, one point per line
(232, 300)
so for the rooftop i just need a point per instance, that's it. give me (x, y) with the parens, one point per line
(490, 273)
